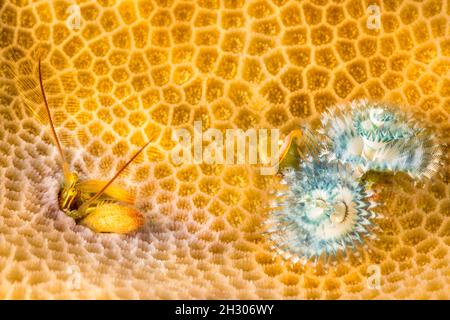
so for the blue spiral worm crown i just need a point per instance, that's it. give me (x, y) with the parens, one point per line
(324, 210)
(375, 136)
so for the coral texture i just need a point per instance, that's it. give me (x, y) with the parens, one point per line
(136, 70)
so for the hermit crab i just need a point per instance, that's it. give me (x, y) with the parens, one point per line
(100, 205)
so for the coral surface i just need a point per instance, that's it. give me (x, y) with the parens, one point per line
(135, 70)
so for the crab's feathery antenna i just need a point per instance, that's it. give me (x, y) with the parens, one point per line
(55, 136)
(99, 193)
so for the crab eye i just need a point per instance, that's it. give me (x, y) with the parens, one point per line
(73, 178)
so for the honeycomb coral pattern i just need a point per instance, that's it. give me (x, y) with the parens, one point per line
(136, 70)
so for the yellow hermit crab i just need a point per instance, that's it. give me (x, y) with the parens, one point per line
(99, 205)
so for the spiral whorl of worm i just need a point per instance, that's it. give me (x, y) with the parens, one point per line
(379, 137)
(326, 208)
(324, 211)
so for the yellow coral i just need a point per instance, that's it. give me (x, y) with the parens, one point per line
(135, 70)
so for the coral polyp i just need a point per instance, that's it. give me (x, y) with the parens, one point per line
(376, 136)
(324, 211)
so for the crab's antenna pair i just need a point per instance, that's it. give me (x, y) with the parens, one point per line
(61, 152)
(99, 193)
(66, 170)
